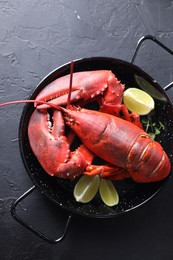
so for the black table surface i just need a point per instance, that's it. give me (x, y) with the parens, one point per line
(35, 38)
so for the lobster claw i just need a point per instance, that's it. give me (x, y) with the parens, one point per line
(51, 147)
(86, 86)
(47, 140)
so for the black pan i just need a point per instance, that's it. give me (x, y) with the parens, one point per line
(132, 194)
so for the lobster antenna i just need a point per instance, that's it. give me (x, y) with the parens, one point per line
(30, 101)
(70, 86)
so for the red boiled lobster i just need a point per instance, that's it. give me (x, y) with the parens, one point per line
(111, 133)
(128, 151)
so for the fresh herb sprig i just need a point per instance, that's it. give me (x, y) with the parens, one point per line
(151, 127)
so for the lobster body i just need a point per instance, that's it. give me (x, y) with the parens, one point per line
(120, 143)
(127, 150)
(112, 133)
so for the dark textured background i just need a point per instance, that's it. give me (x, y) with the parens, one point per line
(35, 38)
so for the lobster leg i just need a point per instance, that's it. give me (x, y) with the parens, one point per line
(107, 171)
(121, 111)
(131, 117)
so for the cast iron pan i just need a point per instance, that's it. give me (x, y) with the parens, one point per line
(132, 194)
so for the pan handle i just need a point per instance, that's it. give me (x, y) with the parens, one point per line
(30, 227)
(152, 38)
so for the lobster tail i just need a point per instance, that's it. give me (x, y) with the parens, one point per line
(150, 164)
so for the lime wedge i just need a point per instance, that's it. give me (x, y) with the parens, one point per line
(137, 100)
(86, 188)
(108, 193)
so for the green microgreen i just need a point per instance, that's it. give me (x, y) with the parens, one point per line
(152, 128)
